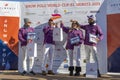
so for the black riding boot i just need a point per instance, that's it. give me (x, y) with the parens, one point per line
(71, 68)
(99, 75)
(78, 70)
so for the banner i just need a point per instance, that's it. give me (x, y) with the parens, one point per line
(40, 12)
(9, 26)
(113, 27)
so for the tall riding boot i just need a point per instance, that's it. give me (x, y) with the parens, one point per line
(99, 75)
(78, 70)
(71, 68)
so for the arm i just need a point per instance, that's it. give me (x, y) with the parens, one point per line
(81, 35)
(45, 29)
(82, 26)
(33, 29)
(20, 37)
(99, 33)
(65, 29)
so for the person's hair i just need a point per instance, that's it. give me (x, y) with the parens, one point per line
(75, 22)
(50, 19)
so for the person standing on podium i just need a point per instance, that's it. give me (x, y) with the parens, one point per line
(23, 59)
(73, 45)
(49, 47)
(93, 34)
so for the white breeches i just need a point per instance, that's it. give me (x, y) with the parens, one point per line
(91, 51)
(48, 54)
(74, 54)
(25, 63)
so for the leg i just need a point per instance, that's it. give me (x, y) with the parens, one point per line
(46, 47)
(51, 57)
(94, 54)
(95, 58)
(87, 52)
(77, 58)
(71, 67)
(22, 60)
(77, 55)
(31, 63)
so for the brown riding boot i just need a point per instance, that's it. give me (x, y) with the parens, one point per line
(51, 72)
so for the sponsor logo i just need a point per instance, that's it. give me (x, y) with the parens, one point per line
(94, 11)
(56, 11)
(65, 60)
(115, 4)
(56, 66)
(57, 56)
(28, 13)
(81, 12)
(57, 60)
(56, 15)
(65, 65)
(7, 7)
(43, 13)
(92, 69)
(6, 4)
(58, 49)
(68, 12)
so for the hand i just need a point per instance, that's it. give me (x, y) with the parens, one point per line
(56, 24)
(61, 22)
(29, 40)
(79, 27)
(97, 39)
(70, 29)
(73, 20)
